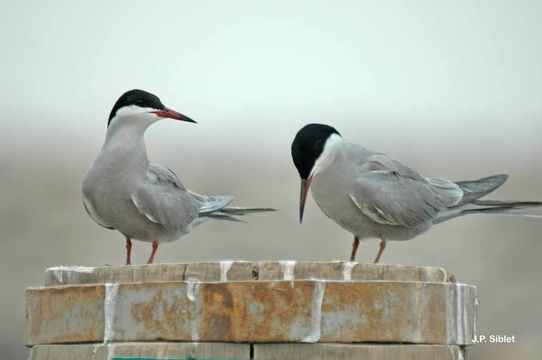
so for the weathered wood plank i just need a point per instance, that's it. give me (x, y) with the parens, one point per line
(203, 271)
(223, 351)
(242, 270)
(347, 271)
(356, 352)
(254, 311)
(233, 351)
(48, 316)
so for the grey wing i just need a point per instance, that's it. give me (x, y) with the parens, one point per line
(91, 211)
(208, 204)
(163, 199)
(390, 193)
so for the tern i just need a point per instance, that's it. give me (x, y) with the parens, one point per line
(373, 195)
(145, 201)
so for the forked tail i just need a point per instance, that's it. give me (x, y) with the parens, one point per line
(475, 189)
(509, 208)
(514, 208)
(230, 213)
(216, 207)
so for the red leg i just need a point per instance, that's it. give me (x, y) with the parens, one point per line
(154, 248)
(355, 245)
(128, 251)
(382, 247)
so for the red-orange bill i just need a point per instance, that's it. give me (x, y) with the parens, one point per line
(172, 114)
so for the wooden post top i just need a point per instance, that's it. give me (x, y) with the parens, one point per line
(251, 302)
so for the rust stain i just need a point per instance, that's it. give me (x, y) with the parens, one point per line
(164, 315)
(66, 314)
(251, 311)
(144, 312)
(289, 304)
(218, 305)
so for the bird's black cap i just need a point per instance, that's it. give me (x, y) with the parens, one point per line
(136, 97)
(308, 145)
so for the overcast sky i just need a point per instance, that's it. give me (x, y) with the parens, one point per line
(260, 69)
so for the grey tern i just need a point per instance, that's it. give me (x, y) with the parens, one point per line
(373, 195)
(143, 200)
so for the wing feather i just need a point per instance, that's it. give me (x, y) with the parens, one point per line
(91, 211)
(390, 193)
(208, 204)
(163, 199)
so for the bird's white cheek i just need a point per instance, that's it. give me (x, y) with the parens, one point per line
(315, 171)
(137, 113)
(146, 118)
(151, 117)
(323, 162)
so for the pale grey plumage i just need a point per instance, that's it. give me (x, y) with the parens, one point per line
(374, 195)
(142, 200)
(163, 199)
(390, 193)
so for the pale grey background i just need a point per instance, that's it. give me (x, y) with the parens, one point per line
(453, 88)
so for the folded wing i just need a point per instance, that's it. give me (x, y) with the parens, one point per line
(390, 193)
(163, 199)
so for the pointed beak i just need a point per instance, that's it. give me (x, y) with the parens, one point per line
(172, 114)
(305, 184)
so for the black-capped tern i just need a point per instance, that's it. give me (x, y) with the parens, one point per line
(373, 195)
(142, 200)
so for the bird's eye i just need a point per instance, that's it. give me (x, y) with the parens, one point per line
(139, 102)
